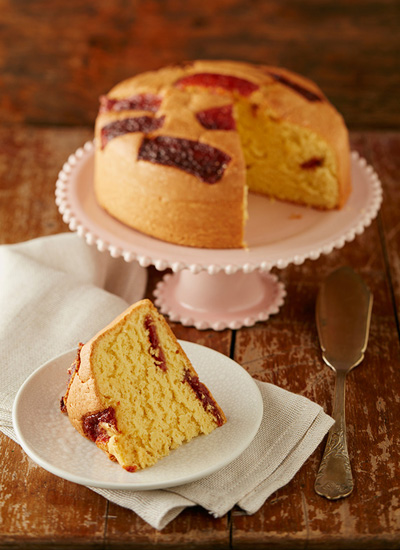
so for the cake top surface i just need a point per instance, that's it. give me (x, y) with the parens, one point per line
(172, 96)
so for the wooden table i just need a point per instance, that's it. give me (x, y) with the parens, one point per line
(55, 59)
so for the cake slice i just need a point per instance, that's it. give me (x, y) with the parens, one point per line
(134, 392)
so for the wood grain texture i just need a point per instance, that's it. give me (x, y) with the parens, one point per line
(285, 351)
(30, 160)
(40, 509)
(56, 58)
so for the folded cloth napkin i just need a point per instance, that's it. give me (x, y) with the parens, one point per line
(57, 291)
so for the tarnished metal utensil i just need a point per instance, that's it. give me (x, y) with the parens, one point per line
(343, 314)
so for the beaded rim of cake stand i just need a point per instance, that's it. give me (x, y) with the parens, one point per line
(77, 225)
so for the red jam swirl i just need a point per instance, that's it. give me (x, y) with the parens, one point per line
(305, 92)
(203, 394)
(63, 405)
(139, 102)
(157, 351)
(218, 82)
(199, 159)
(130, 469)
(91, 424)
(129, 125)
(314, 162)
(71, 371)
(217, 118)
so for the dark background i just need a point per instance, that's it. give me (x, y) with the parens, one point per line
(57, 57)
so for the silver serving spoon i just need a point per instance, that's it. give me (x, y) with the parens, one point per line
(343, 314)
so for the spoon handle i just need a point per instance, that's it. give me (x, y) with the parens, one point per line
(334, 479)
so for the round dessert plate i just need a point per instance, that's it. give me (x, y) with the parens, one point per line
(48, 437)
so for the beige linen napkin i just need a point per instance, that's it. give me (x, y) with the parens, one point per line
(57, 291)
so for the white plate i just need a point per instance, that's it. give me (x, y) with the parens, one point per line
(47, 436)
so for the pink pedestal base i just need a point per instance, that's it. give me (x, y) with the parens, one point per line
(220, 300)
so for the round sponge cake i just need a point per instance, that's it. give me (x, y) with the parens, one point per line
(178, 149)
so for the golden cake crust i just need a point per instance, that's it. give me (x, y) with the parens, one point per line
(176, 206)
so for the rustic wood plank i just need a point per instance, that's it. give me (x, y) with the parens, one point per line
(30, 160)
(35, 511)
(385, 157)
(285, 351)
(295, 516)
(64, 55)
(193, 528)
(38, 507)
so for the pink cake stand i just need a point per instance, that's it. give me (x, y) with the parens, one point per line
(228, 288)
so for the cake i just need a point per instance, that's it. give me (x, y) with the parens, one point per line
(178, 149)
(134, 392)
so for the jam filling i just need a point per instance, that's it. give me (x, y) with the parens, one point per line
(128, 125)
(218, 81)
(157, 351)
(217, 118)
(63, 405)
(308, 94)
(140, 102)
(312, 163)
(130, 469)
(91, 424)
(199, 159)
(203, 394)
(71, 371)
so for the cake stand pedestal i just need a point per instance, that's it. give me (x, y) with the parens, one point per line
(228, 288)
(219, 301)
